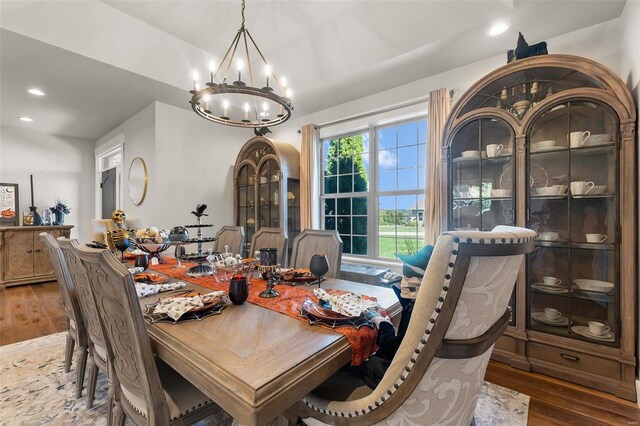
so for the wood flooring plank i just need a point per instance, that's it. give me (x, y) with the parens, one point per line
(573, 400)
(564, 390)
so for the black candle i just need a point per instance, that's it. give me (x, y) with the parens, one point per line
(31, 177)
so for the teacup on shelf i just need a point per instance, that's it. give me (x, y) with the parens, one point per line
(577, 139)
(551, 281)
(552, 314)
(581, 187)
(597, 328)
(599, 189)
(596, 238)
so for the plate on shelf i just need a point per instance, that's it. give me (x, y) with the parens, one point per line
(588, 144)
(560, 322)
(583, 331)
(549, 289)
(465, 159)
(595, 286)
(549, 148)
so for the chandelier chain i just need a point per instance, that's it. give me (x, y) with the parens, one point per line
(242, 13)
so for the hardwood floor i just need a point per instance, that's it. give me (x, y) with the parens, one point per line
(36, 310)
(30, 311)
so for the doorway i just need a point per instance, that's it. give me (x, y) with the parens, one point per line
(108, 186)
(108, 177)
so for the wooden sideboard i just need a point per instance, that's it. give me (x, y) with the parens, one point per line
(23, 258)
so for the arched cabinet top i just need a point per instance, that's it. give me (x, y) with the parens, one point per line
(557, 78)
(259, 148)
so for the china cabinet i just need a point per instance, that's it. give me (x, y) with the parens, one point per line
(549, 143)
(23, 256)
(267, 188)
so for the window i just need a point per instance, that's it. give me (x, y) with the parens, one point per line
(373, 189)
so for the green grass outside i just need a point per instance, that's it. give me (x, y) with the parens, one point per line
(387, 246)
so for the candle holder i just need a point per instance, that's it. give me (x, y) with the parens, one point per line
(273, 277)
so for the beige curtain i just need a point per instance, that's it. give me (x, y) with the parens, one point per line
(309, 181)
(439, 107)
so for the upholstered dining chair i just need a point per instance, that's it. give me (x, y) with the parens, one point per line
(98, 357)
(145, 389)
(460, 311)
(76, 331)
(312, 241)
(270, 238)
(232, 236)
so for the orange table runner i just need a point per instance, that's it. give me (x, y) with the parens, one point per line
(362, 341)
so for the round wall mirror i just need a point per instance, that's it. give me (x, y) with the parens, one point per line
(137, 180)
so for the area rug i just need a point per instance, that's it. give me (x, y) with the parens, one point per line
(35, 390)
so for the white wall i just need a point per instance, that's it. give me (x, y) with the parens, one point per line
(630, 73)
(200, 156)
(61, 167)
(139, 141)
(189, 161)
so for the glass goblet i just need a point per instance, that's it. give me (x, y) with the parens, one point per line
(319, 266)
(122, 244)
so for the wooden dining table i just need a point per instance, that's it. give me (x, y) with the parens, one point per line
(254, 362)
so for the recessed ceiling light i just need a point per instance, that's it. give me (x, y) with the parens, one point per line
(497, 29)
(23, 118)
(36, 92)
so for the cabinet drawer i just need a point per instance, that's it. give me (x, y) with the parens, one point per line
(572, 359)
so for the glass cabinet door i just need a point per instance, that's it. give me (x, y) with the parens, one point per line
(482, 178)
(269, 194)
(572, 203)
(245, 193)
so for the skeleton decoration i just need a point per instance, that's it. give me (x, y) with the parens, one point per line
(118, 217)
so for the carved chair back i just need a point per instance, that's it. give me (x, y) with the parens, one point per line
(314, 241)
(128, 344)
(232, 236)
(270, 238)
(67, 289)
(78, 275)
(460, 310)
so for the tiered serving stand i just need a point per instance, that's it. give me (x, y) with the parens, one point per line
(202, 269)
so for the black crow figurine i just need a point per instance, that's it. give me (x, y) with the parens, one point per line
(524, 50)
(261, 131)
(199, 211)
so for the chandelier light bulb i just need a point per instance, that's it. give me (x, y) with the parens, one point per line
(225, 107)
(246, 112)
(267, 71)
(284, 82)
(265, 106)
(288, 93)
(195, 79)
(240, 65)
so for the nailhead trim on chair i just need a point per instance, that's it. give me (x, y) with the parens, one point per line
(427, 332)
